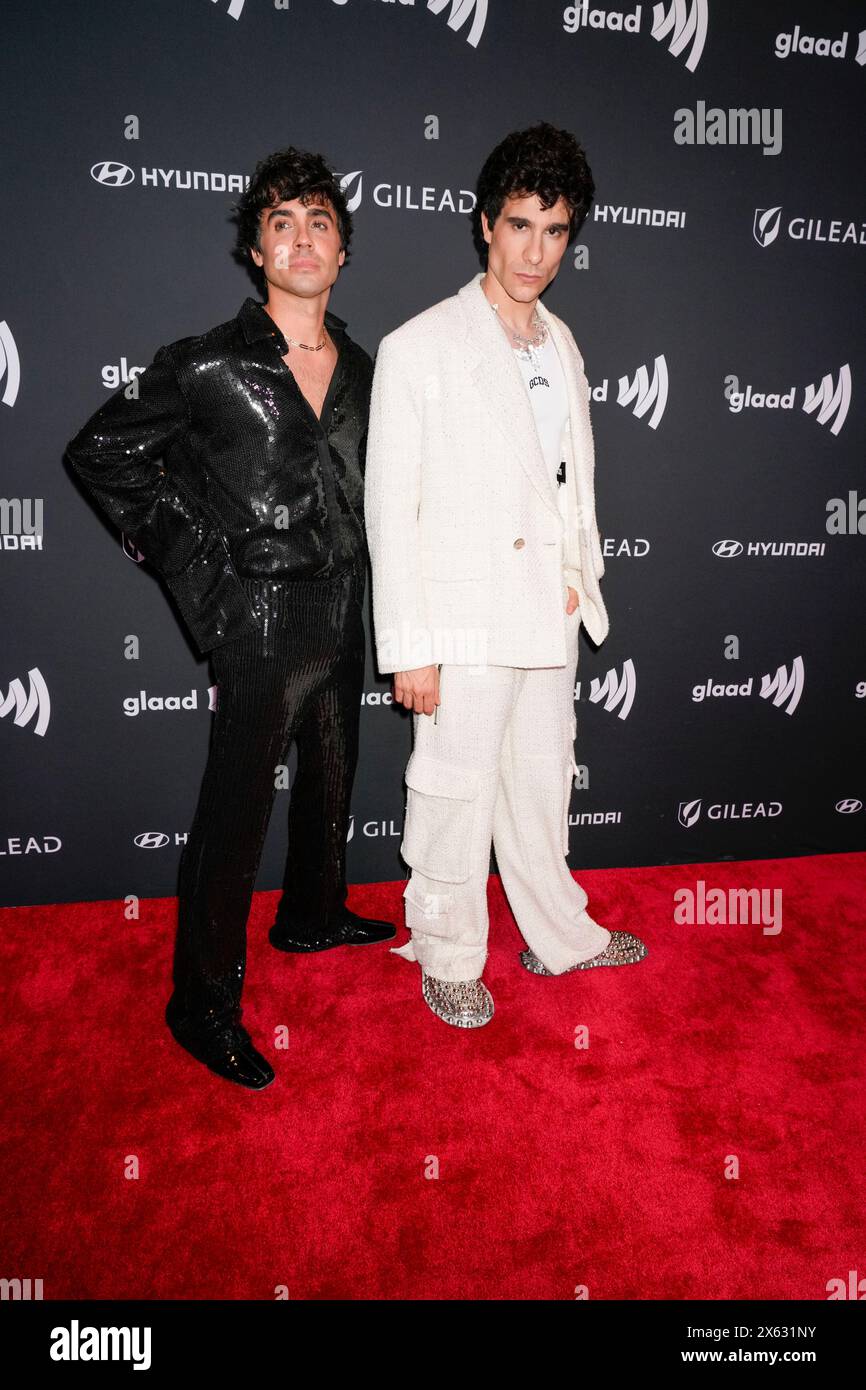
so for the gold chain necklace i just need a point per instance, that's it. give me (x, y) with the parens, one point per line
(317, 347)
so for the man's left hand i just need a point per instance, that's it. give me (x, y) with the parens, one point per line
(573, 600)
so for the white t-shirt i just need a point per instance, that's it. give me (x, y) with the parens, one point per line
(545, 382)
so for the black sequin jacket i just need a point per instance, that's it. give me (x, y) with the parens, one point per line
(216, 468)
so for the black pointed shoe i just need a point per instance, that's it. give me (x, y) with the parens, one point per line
(348, 930)
(230, 1053)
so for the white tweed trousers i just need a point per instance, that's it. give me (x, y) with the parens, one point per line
(496, 766)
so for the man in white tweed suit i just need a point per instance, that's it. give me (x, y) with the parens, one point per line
(486, 557)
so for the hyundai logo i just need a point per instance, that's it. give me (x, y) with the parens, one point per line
(112, 174)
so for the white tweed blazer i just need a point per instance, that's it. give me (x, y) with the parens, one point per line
(470, 556)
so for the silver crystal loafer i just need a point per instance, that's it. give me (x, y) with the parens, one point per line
(462, 1003)
(622, 949)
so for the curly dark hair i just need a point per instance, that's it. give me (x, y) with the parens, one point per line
(542, 160)
(286, 174)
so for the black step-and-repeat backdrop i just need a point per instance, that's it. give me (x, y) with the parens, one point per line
(716, 292)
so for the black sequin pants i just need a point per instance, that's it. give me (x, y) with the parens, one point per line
(298, 678)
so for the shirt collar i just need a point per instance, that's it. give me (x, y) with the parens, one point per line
(257, 323)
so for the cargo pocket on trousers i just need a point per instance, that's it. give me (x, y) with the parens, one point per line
(441, 804)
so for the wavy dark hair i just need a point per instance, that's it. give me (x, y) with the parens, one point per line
(542, 160)
(286, 174)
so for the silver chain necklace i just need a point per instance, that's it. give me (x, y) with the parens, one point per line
(526, 347)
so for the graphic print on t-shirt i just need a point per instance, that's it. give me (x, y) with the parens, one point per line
(545, 382)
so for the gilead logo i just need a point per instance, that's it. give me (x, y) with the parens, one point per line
(353, 194)
(689, 812)
(767, 223)
(76, 1343)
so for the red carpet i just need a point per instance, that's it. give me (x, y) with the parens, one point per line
(558, 1167)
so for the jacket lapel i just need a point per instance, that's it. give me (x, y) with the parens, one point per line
(497, 375)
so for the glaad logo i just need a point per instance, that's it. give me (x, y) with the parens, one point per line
(781, 687)
(828, 399)
(109, 172)
(10, 367)
(849, 806)
(114, 374)
(235, 7)
(615, 690)
(460, 12)
(689, 25)
(784, 686)
(688, 21)
(37, 702)
(811, 46)
(647, 394)
(831, 400)
(767, 222)
(689, 812)
(137, 704)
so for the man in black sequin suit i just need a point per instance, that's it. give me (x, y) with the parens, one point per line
(236, 466)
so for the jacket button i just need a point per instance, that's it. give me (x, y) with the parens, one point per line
(519, 543)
